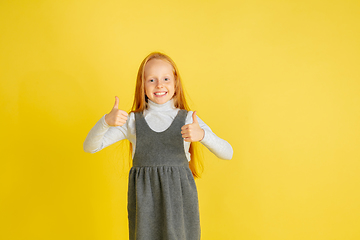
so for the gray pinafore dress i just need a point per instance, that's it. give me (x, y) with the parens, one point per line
(162, 195)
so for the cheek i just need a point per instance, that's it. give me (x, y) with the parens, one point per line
(147, 90)
(172, 92)
(172, 87)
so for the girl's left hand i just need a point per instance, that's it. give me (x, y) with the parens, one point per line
(192, 132)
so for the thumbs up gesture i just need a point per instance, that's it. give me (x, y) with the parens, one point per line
(116, 117)
(192, 132)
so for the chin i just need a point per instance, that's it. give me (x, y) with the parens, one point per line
(162, 101)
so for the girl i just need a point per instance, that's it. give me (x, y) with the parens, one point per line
(162, 195)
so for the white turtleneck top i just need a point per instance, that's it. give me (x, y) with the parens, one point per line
(159, 117)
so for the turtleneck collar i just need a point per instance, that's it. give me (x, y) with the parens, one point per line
(169, 105)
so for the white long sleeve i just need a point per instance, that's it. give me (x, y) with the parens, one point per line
(159, 117)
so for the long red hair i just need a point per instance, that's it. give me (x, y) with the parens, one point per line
(140, 104)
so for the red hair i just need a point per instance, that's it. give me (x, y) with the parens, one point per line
(140, 104)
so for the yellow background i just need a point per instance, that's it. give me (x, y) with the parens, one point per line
(279, 80)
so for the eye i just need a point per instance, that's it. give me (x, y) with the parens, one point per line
(167, 79)
(151, 80)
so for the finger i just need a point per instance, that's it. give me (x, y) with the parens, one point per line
(184, 127)
(187, 139)
(186, 130)
(185, 134)
(121, 121)
(123, 113)
(122, 118)
(194, 117)
(116, 105)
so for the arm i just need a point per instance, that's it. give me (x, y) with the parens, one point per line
(103, 135)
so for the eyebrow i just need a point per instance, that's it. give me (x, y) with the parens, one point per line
(155, 77)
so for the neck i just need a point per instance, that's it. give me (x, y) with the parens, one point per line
(169, 105)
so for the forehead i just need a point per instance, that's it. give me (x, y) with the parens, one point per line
(158, 66)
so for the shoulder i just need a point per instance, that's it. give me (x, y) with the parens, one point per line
(189, 114)
(189, 118)
(131, 119)
(132, 115)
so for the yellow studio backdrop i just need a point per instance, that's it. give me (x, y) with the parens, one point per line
(279, 80)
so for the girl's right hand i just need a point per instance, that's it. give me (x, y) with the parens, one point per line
(116, 117)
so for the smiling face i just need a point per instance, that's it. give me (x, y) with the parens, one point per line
(159, 81)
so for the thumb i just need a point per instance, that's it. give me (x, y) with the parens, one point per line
(116, 105)
(194, 117)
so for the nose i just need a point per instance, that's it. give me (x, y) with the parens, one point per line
(159, 84)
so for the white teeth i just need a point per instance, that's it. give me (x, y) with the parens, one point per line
(159, 94)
